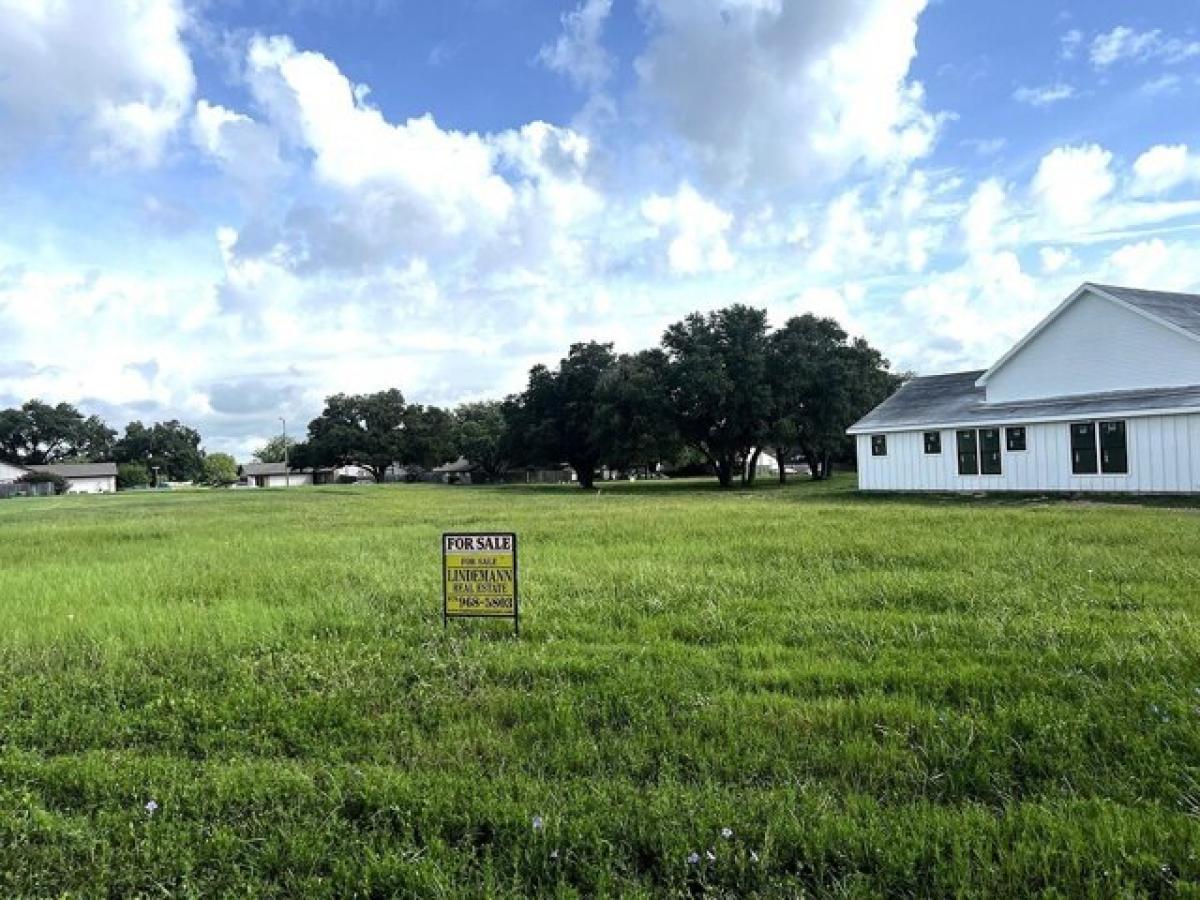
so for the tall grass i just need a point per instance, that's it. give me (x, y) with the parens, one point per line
(873, 695)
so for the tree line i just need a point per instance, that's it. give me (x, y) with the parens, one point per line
(38, 433)
(720, 388)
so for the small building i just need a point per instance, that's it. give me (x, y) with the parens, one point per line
(277, 474)
(1102, 396)
(84, 478)
(10, 473)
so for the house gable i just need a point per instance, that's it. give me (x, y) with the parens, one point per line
(1092, 343)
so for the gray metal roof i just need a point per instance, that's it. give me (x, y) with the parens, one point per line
(949, 400)
(1181, 310)
(78, 470)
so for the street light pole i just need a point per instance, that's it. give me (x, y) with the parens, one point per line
(287, 469)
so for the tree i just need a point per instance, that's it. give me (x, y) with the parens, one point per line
(220, 469)
(277, 449)
(482, 435)
(555, 417)
(821, 384)
(718, 387)
(38, 434)
(357, 429)
(172, 447)
(426, 437)
(132, 475)
(61, 485)
(634, 417)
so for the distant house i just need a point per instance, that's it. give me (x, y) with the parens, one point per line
(84, 478)
(1103, 395)
(10, 473)
(277, 474)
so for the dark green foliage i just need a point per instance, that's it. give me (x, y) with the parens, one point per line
(717, 382)
(376, 430)
(38, 433)
(878, 696)
(482, 435)
(171, 446)
(635, 419)
(821, 383)
(556, 418)
(61, 485)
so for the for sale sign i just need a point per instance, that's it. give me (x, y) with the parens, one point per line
(479, 576)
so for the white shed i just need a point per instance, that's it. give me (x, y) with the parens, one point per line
(1102, 396)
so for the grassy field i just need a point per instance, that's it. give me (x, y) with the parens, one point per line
(911, 696)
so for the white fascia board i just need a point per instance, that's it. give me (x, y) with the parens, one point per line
(1029, 420)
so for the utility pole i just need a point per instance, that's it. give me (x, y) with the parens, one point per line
(287, 469)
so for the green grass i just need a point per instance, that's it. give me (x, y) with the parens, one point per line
(911, 696)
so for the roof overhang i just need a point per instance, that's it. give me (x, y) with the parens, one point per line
(1011, 419)
(1086, 288)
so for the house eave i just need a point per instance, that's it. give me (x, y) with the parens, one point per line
(1001, 420)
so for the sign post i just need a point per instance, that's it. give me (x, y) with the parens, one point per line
(479, 577)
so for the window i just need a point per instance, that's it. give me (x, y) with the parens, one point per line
(1083, 448)
(968, 453)
(933, 442)
(879, 445)
(1015, 438)
(1114, 458)
(989, 451)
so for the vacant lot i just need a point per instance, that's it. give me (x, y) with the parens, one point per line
(911, 696)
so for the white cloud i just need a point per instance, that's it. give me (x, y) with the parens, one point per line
(1156, 264)
(579, 51)
(767, 92)
(247, 150)
(987, 220)
(1044, 95)
(1124, 44)
(696, 229)
(114, 75)
(1164, 167)
(1071, 181)
(1069, 43)
(1055, 259)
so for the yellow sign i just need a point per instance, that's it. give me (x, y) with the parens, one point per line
(479, 576)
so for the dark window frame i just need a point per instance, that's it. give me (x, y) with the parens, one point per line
(879, 445)
(1009, 438)
(1113, 445)
(934, 439)
(991, 458)
(972, 435)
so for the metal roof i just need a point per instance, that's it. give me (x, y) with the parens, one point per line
(1180, 310)
(951, 400)
(78, 470)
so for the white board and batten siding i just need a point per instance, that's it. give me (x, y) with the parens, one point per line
(1095, 345)
(1163, 451)
(99, 484)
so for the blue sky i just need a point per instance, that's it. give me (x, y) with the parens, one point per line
(224, 210)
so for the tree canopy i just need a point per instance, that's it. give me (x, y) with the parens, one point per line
(37, 433)
(172, 447)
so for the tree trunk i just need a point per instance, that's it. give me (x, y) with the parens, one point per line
(751, 470)
(586, 473)
(780, 454)
(725, 472)
(814, 463)
(826, 465)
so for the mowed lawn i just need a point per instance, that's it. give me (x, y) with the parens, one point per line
(873, 695)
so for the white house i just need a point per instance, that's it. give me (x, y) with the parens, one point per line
(84, 478)
(277, 474)
(10, 473)
(1103, 395)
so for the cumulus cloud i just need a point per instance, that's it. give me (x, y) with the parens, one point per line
(695, 229)
(245, 149)
(579, 51)
(1164, 167)
(766, 91)
(1071, 181)
(113, 77)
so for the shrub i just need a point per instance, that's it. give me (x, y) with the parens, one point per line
(61, 485)
(132, 475)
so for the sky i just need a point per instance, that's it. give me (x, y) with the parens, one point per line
(223, 211)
